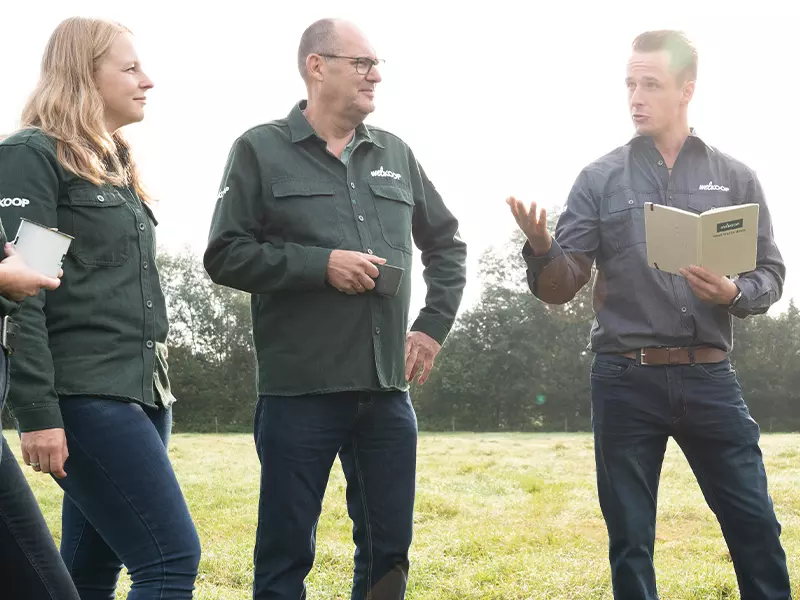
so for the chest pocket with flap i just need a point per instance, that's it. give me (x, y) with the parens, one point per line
(394, 205)
(306, 212)
(103, 226)
(623, 219)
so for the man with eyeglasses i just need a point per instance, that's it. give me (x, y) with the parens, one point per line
(315, 218)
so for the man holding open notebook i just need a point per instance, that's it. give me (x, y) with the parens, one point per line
(662, 335)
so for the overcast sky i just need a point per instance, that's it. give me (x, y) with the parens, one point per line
(497, 100)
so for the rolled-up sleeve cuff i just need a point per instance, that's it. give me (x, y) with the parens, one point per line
(537, 263)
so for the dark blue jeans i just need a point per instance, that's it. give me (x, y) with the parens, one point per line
(635, 409)
(297, 439)
(122, 503)
(30, 566)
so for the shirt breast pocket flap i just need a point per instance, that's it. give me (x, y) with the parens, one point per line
(624, 225)
(95, 198)
(102, 226)
(306, 212)
(394, 205)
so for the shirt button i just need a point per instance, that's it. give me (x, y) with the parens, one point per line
(149, 304)
(369, 251)
(361, 218)
(352, 185)
(149, 343)
(630, 201)
(683, 309)
(661, 163)
(145, 265)
(377, 330)
(141, 226)
(101, 199)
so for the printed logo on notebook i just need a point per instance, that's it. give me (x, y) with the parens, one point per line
(730, 225)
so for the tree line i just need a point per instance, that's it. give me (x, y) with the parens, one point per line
(511, 363)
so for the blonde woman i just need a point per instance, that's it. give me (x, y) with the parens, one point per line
(91, 394)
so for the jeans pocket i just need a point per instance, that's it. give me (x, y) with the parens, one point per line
(616, 367)
(716, 371)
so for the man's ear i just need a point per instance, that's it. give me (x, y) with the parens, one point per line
(314, 66)
(688, 91)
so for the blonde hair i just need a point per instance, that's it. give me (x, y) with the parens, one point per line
(67, 106)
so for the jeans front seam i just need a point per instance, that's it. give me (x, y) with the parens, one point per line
(366, 519)
(713, 497)
(133, 508)
(681, 396)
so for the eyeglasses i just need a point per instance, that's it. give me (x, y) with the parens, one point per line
(362, 63)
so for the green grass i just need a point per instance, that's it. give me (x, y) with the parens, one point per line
(498, 517)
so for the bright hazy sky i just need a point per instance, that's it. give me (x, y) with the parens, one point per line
(498, 100)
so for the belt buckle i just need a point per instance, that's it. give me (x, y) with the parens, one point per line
(642, 359)
(4, 332)
(8, 330)
(671, 352)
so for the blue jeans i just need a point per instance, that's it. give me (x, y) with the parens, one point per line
(30, 566)
(635, 409)
(297, 439)
(122, 503)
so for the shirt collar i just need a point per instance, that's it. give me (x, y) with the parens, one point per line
(301, 129)
(638, 138)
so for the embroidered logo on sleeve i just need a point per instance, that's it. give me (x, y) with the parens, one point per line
(221, 195)
(381, 173)
(21, 202)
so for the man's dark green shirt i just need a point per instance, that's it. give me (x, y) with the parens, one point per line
(103, 331)
(285, 203)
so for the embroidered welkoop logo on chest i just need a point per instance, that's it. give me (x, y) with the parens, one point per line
(712, 187)
(382, 173)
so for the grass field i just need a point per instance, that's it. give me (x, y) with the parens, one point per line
(498, 517)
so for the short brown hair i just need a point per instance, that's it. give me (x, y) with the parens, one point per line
(682, 52)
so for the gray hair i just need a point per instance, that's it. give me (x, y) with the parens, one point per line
(319, 38)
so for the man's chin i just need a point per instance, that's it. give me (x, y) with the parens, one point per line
(365, 105)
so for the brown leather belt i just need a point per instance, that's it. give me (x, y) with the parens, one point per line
(677, 356)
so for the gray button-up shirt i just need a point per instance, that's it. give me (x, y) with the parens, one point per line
(637, 306)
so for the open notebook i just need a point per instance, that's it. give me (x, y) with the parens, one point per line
(722, 240)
